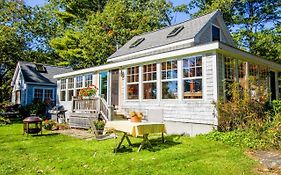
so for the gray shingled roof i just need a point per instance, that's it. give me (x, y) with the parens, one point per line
(159, 37)
(31, 75)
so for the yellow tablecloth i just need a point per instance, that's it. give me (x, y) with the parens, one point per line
(136, 128)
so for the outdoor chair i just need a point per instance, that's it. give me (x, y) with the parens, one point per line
(96, 132)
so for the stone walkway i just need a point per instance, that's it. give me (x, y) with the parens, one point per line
(270, 162)
(78, 133)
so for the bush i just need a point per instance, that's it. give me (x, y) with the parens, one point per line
(4, 121)
(242, 111)
(49, 124)
(37, 107)
(99, 124)
(248, 121)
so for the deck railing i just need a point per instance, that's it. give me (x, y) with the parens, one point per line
(97, 105)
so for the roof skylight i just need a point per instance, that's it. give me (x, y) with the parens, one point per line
(137, 42)
(40, 68)
(175, 31)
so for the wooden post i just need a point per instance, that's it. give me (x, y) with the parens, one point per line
(110, 112)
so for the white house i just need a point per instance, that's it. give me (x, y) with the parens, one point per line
(174, 74)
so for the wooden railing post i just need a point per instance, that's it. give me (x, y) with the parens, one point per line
(110, 112)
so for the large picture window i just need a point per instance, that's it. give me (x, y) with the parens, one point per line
(62, 90)
(133, 83)
(169, 79)
(149, 81)
(192, 77)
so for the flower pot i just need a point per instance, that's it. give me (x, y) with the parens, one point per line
(135, 119)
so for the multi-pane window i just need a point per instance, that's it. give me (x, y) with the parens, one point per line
(133, 82)
(229, 68)
(169, 79)
(88, 80)
(230, 76)
(62, 90)
(192, 77)
(149, 81)
(48, 94)
(38, 94)
(79, 84)
(253, 77)
(63, 84)
(70, 88)
(242, 74)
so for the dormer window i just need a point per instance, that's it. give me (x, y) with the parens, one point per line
(41, 68)
(176, 31)
(137, 42)
(216, 36)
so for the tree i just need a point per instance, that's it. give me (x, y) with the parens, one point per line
(11, 46)
(248, 20)
(103, 31)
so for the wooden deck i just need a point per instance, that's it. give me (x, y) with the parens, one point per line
(82, 109)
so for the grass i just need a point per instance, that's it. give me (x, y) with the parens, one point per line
(59, 154)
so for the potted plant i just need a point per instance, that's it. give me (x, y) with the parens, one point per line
(99, 124)
(136, 116)
(88, 92)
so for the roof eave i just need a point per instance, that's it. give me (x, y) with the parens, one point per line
(246, 56)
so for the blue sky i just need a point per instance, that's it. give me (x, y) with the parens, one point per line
(179, 17)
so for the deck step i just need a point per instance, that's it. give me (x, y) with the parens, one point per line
(80, 120)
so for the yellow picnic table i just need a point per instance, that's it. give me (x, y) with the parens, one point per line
(136, 129)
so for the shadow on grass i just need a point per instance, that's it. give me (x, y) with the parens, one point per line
(157, 144)
(43, 135)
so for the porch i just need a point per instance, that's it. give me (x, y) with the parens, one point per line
(83, 109)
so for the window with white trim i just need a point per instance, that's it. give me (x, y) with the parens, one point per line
(70, 88)
(192, 78)
(79, 84)
(62, 89)
(48, 94)
(88, 80)
(230, 75)
(133, 82)
(38, 95)
(169, 79)
(150, 81)
(41, 94)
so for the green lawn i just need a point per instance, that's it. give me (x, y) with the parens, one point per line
(59, 154)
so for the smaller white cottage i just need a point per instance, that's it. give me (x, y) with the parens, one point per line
(173, 75)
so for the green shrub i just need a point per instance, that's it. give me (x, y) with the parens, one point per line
(49, 124)
(99, 124)
(4, 121)
(248, 121)
(37, 107)
(242, 111)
